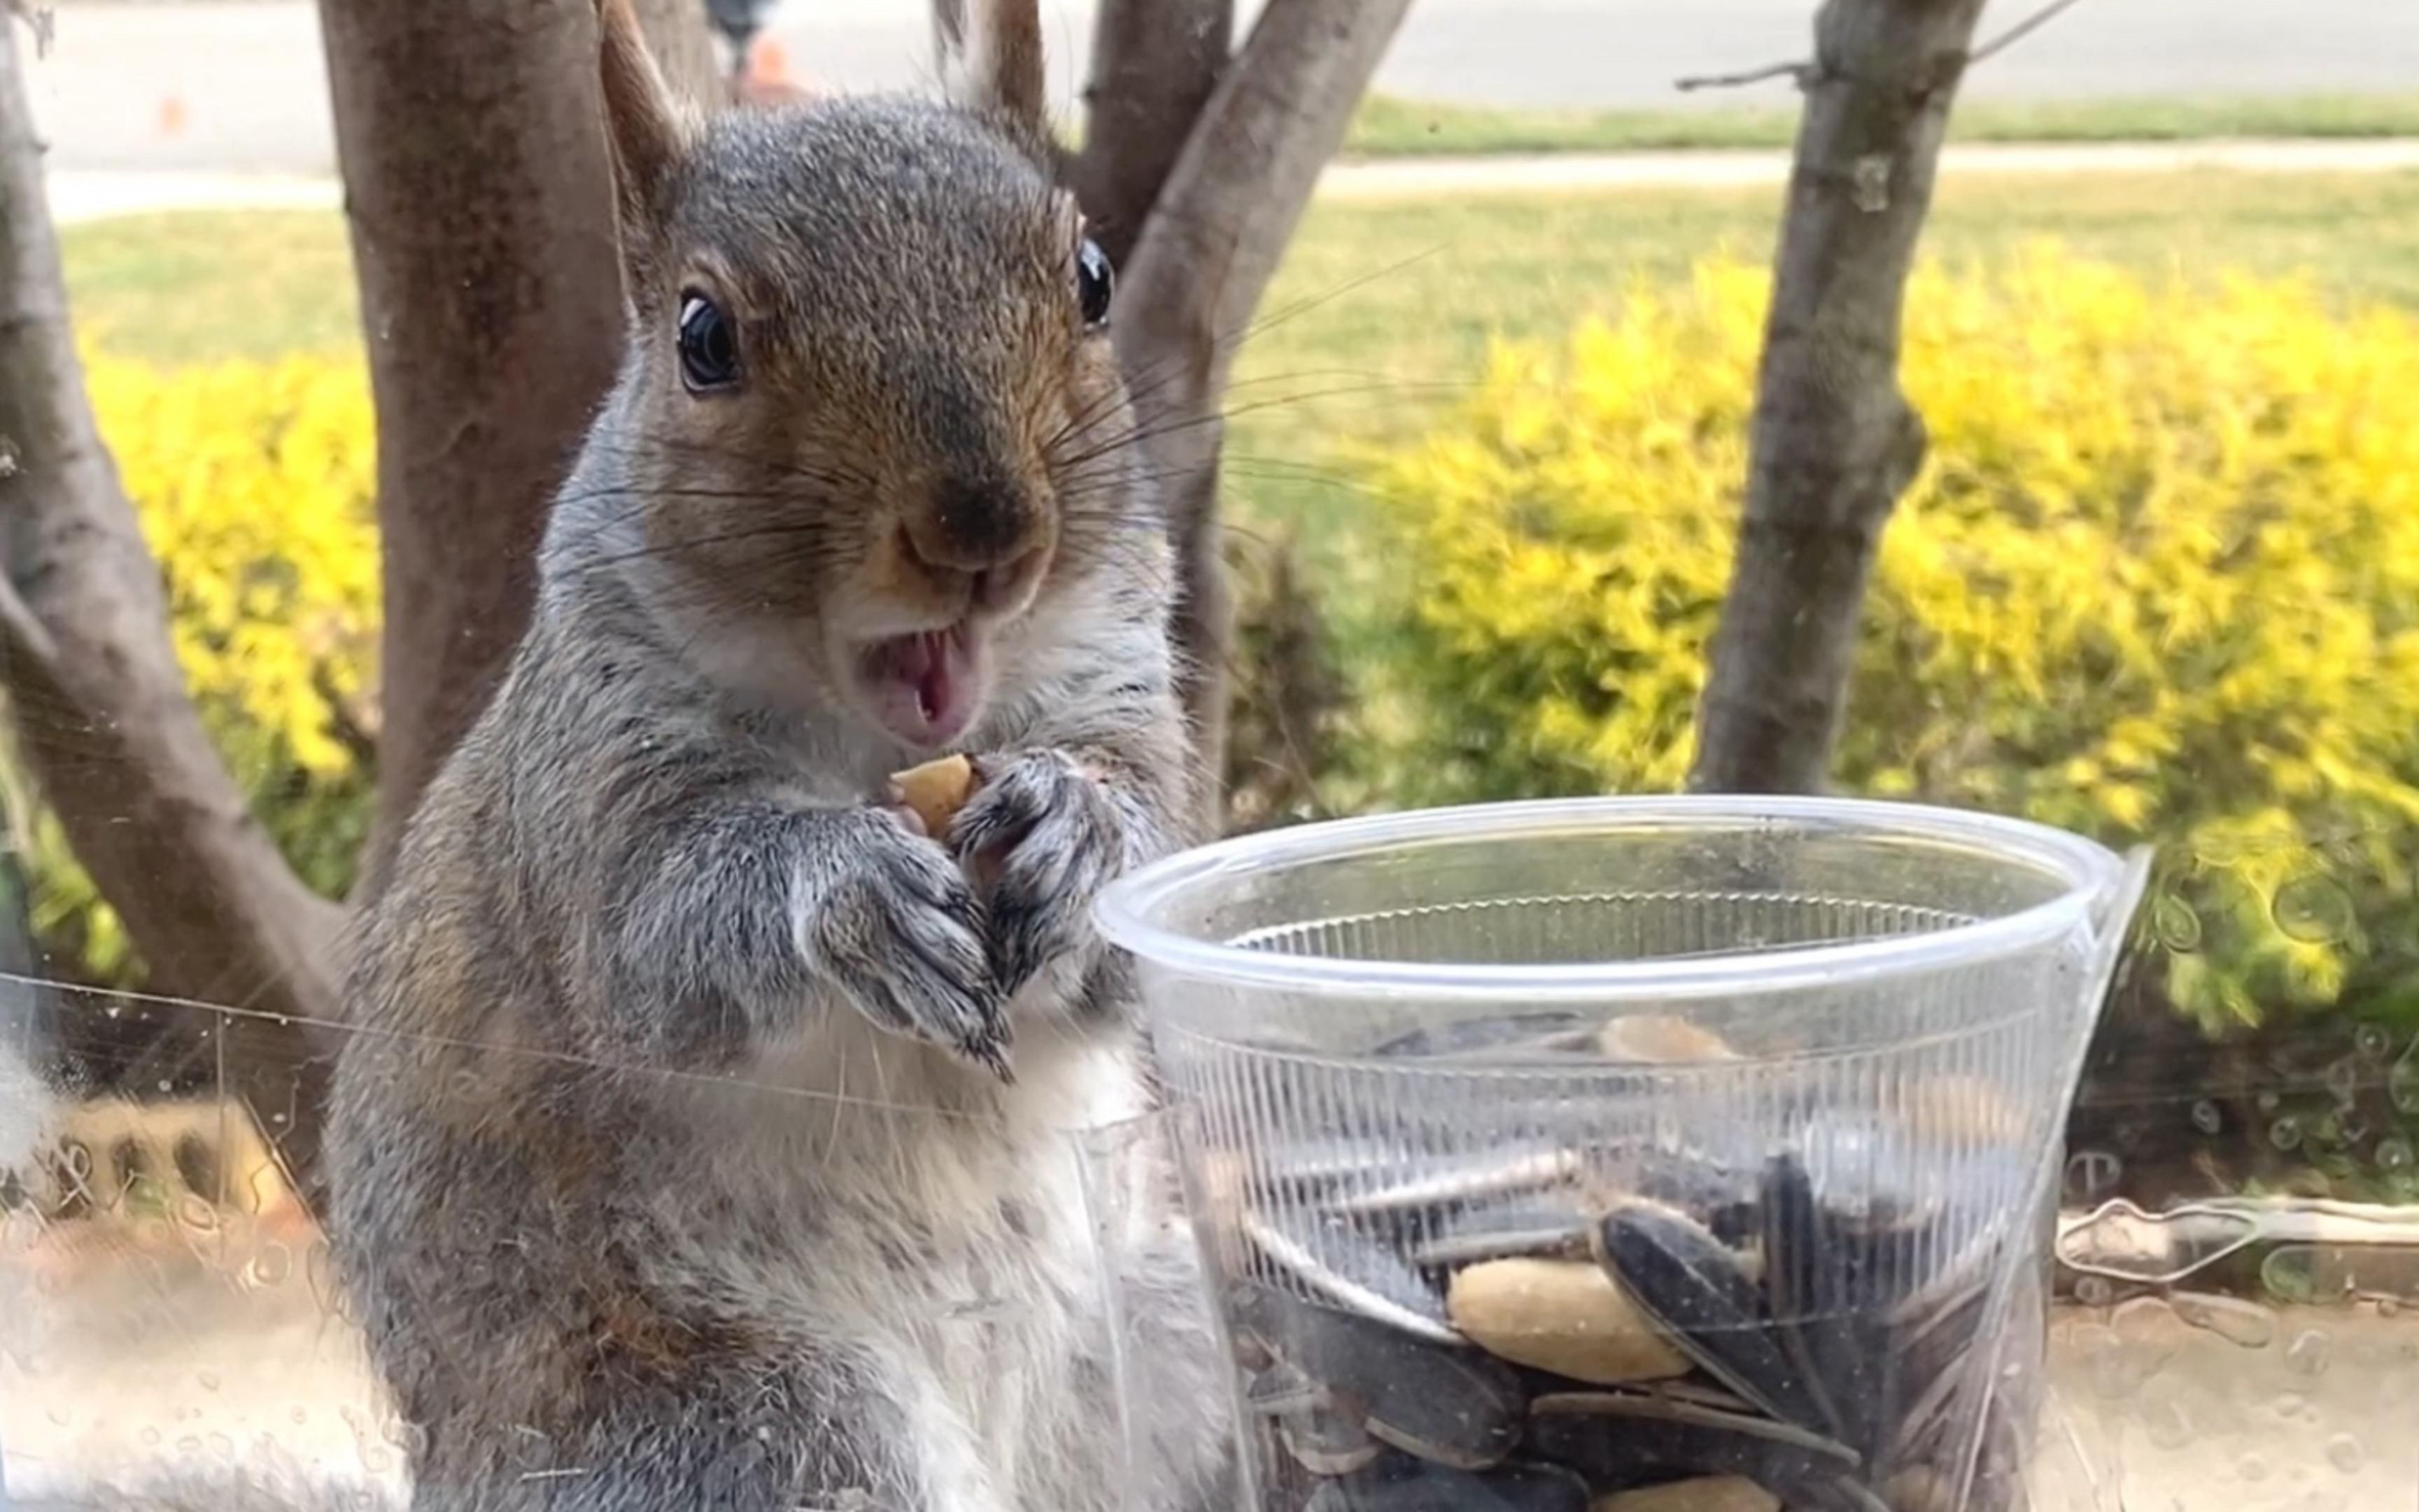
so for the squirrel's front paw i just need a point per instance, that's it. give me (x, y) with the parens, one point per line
(1045, 836)
(894, 924)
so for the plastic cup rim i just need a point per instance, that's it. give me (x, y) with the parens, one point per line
(1126, 910)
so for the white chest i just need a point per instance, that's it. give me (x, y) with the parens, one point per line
(938, 1230)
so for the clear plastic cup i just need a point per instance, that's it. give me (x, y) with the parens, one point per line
(1656, 1153)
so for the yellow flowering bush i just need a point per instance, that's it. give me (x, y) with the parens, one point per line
(2158, 580)
(256, 484)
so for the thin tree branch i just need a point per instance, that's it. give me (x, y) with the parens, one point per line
(343, 724)
(1206, 256)
(41, 20)
(1155, 64)
(1805, 73)
(1798, 73)
(1834, 441)
(103, 719)
(2021, 30)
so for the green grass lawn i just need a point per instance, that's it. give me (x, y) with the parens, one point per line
(1394, 303)
(1388, 127)
(191, 287)
(1383, 308)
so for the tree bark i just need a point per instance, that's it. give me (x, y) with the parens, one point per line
(480, 204)
(1835, 442)
(100, 711)
(1155, 64)
(1205, 255)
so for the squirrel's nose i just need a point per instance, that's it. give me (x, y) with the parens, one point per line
(974, 525)
(986, 534)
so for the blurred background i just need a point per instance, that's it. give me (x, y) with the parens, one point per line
(2157, 582)
(241, 84)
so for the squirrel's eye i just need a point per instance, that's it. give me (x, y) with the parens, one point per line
(1093, 283)
(709, 348)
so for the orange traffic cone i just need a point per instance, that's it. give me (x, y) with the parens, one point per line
(768, 61)
(766, 79)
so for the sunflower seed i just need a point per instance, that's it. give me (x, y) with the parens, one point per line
(1328, 1443)
(1373, 1282)
(1520, 1034)
(1661, 1407)
(1696, 1291)
(1447, 1405)
(1464, 1181)
(1410, 1486)
(1522, 1227)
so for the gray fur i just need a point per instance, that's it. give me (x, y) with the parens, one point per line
(865, 1278)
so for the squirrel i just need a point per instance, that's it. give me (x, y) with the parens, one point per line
(866, 488)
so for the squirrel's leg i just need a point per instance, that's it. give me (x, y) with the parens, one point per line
(727, 917)
(730, 1432)
(1177, 1387)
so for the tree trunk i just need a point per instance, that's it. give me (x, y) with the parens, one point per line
(103, 719)
(1155, 64)
(1205, 255)
(1835, 442)
(481, 204)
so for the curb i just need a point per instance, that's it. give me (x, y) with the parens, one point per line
(78, 195)
(1719, 168)
(88, 194)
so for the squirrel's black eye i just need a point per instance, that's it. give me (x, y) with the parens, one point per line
(1093, 283)
(709, 347)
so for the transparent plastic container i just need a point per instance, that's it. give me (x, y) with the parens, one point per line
(1630, 1153)
(175, 1335)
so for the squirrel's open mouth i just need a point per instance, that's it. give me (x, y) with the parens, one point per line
(925, 687)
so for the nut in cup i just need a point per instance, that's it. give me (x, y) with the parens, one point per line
(1652, 1153)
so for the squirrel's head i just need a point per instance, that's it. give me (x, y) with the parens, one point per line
(873, 418)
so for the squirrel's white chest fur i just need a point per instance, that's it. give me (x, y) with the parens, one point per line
(888, 1207)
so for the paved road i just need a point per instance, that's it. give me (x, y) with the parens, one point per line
(239, 85)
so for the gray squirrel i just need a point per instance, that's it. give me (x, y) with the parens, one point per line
(867, 487)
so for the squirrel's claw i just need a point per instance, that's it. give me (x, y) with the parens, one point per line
(892, 923)
(1043, 837)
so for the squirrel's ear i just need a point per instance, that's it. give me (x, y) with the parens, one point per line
(992, 52)
(649, 128)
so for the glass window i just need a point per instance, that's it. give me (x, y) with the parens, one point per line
(594, 590)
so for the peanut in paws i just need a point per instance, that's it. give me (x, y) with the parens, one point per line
(936, 791)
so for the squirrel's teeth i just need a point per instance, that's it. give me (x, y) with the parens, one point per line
(932, 655)
(911, 656)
